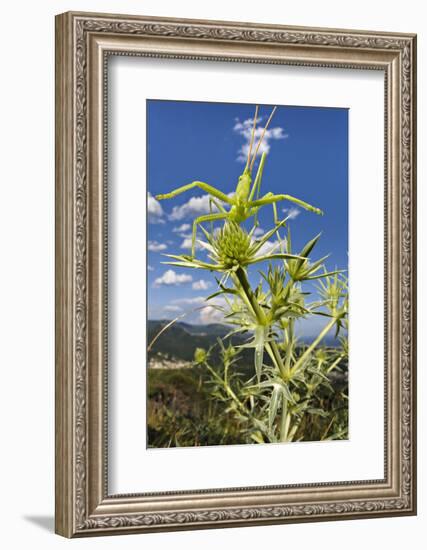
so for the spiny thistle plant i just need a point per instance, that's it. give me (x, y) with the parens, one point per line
(295, 392)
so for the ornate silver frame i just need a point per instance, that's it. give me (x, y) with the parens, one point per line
(83, 505)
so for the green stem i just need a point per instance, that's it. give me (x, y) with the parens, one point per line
(288, 345)
(311, 347)
(271, 347)
(241, 279)
(235, 399)
(283, 421)
(230, 391)
(335, 363)
(224, 382)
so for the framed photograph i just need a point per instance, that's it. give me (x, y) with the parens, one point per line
(235, 274)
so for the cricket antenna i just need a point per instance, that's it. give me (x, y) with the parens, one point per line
(261, 138)
(252, 137)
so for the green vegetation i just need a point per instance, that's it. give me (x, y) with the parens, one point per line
(182, 413)
(186, 406)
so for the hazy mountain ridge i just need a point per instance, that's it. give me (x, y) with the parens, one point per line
(179, 341)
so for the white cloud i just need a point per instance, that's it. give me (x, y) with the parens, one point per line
(244, 128)
(154, 246)
(195, 206)
(292, 212)
(266, 248)
(150, 267)
(258, 231)
(154, 210)
(270, 247)
(201, 285)
(172, 309)
(171, 278)
(182, 228)
(187, 243)
(190, 301)
(209, 315)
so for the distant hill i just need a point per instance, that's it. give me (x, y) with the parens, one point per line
(213, 329)
(181, 339)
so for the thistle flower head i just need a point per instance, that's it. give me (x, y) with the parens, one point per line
(200, 356)
(333, 289)
(302, 269)
(232, 246)
(321, 355)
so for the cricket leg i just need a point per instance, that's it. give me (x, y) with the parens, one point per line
(219, 207)
(201, 219)
(201, 185)
(217, 204)
(276, 217)
(271, 199)
(254, 211)
(278, 223)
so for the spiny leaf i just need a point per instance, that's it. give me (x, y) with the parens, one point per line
(287, 393)
(280, 256)
(257, 437)
(266, 237)
(310, 245)
(322, 275)
(274, 404)
(259, 356)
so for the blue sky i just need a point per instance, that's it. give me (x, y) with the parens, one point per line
(307, 157)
